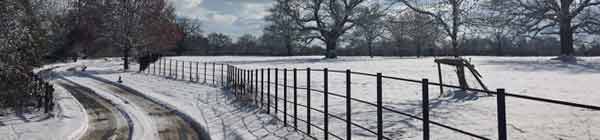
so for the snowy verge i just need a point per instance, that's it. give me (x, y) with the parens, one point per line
(69, 105)
(68, 122)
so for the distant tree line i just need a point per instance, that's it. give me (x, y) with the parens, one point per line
(418, 28)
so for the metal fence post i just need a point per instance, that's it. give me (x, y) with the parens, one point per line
(276, 90)
(183, 70)
(214, 65)
(191, 66)
(170, 67)
(440, 79)
(262, 87)
(379, 107)
(308, 124)
(244, 80)
(227, 77)
(176, 70)
(204, 72)
(222, 80)
(425, 105)
(232, 79)
(249, 82)
(269, 90)
(326, 103)
(197, 75)
(348, 106)
(501, 103)
(213, 74)
(238, 83)
(256, 86)
(241, 82)
(246, 85)
(284, 97)
(295, 99)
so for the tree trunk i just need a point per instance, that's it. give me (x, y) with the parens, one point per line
(455, 28)
(288, 46)
(126, 58)
(566, 37)
(499, 50)
(419, 49)
(331, 45)
(370, 45)
(455, 52)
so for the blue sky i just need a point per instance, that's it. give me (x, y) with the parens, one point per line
(232, 17)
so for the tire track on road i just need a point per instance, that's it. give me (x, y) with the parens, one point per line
(105, 119)
(171, 124)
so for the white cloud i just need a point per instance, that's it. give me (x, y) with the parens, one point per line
(232, 17)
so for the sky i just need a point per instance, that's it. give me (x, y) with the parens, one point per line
(231, 17)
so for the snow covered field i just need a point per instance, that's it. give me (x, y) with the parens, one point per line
(532, 76)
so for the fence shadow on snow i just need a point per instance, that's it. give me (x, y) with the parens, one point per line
(286, 95)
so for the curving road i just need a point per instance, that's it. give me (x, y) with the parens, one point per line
(107, 121)
(169, 122)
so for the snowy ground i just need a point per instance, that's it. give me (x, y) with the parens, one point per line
(225, 117)
(532, 76)
(222, 117)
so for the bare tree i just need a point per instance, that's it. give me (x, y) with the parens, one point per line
(410, 28)
(491, 20)
(452, 15)
(284, 28)
(218, 41)
(329, 19)
(139, 25)
(189, 29)
(370, 25)
(247, 42)
(562, 17)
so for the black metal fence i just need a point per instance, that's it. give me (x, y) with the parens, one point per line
(34, 92)
(202, 72)
(261, 86)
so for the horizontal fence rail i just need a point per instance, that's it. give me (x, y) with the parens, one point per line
(262, 87)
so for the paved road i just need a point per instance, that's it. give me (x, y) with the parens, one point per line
(170, 124)
(106, 121)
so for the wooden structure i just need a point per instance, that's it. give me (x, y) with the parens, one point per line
(460, 65)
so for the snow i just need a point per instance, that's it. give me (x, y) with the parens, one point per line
(225, 117)
(68, 123)
(143, 124)
(220, 115)
(532, 76)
